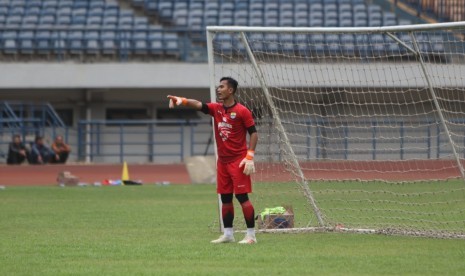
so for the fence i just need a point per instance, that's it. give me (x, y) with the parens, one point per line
(143, 140)
(170, 141)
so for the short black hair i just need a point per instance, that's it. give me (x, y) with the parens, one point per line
(38, 137)
(231, 82)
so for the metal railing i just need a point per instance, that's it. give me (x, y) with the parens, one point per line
(146, 140)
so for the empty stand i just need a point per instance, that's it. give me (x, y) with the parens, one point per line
(81, 29)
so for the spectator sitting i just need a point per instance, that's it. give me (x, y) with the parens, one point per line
(17, 151)
(61, 150)
(40, 153)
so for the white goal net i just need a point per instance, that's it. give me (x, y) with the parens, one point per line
(360, 129)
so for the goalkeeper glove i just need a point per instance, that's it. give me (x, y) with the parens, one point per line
(247, 162)
(176, 101)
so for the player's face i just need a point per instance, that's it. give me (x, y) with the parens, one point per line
(223, 91)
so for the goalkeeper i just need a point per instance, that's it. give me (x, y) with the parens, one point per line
(235, 164)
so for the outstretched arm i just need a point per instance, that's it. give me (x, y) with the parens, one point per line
(176, 101)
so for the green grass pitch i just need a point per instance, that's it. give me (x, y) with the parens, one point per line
(166, 230)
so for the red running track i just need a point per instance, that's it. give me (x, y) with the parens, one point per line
(46, 175)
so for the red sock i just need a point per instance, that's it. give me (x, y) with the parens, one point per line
(249, 214)
(227, 211)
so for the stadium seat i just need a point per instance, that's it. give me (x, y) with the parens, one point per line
(50, 3)
(333, 45)
(9, 42)
(225, 42)
(256, 42)
(377, 45)
(287, 43)
(75, 41)
(26, 42)
(92, 42)
(110, 21)
(348, 44)
(317, 44)
(140, 43)
(108, 42)
(43, 42)
(171, 44)
(361, 42)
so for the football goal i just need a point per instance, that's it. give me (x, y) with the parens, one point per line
(360, 129)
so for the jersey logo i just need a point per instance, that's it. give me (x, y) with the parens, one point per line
(224, 129)
(233, 115)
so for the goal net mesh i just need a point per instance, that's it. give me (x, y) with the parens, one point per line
(358, 129)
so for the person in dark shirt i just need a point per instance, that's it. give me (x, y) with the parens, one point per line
(17, 151)
(40, 153)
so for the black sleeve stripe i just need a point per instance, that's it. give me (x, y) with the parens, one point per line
(205, 108)
(252, 129)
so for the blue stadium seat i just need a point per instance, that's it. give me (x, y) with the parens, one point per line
(333, 44)
(359, 8)
(59, 42)
(377, 45)
(46, 20)
(373, 8)
(63, 20)
(141, 23)
(140, 43)
(125, 22)
(34, 4)
(361, 43)
(13, 20)
(302, 44)
(225, 43)
(271, 18)
(171, 44)
(80, 4)
(75, 41)
(151, 7)
(195, 23)
(3, 11)
(30, 19)
(92, 42)
(316, 22)
(287, 43)
(155, 40)
(317, 44)
(212, 6)
(348, 44)
(63, 11)
(20, 11)
(94, 20)
(43, 42)
(9, 42)
(96, 11)
(256, 42)
(33, 11)
(256, 6)
(226, 18)
(271, 44)
(110, 21)
(108, 42)
(51, 3)
(165, 10)
(286, 18)
(96, 4)
(124, 37)
(389, 19)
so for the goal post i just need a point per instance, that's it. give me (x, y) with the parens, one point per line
(360, 129)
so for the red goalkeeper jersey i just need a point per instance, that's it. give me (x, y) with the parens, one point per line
(231, 124)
